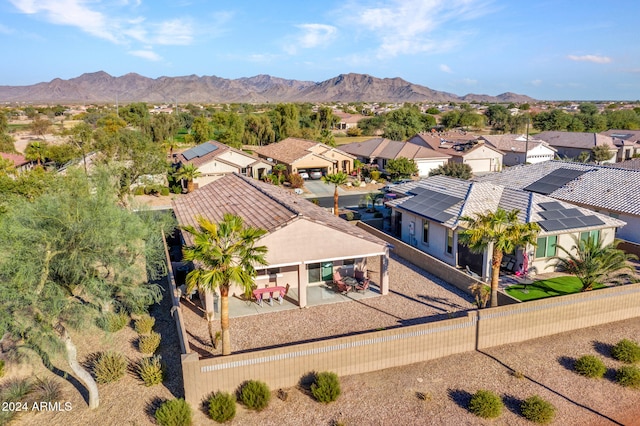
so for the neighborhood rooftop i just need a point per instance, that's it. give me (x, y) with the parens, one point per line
(605, 187)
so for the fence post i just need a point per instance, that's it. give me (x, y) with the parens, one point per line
(190, 377)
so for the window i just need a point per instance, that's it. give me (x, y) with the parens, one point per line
(318, 272)
(449, 241)
(243, 171)
(614, 215)
(546, 246)
(425, 231)
(594, 235)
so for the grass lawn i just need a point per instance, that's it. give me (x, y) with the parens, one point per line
(342, 140)
(547, 288)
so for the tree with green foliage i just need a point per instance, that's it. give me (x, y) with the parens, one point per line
(71, 255)
(401, 168)
(224, 254)
(258, 130)
(335, 179)
(201, 130)
(40, 126)
(136, 114)
(36, 151)
(499, 232)
(228, 128)
(622, 119)
(285, 120)
(188, 173)
(163, 127)
(371, 126)
(7, 143)
(497, 117)
(592, 262)
(450, 120)
(456, 170)
(602, 153)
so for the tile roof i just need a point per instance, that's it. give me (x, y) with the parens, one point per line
(601, 187)
(633, 164)
(18, 160)
(579, 140)
(390, 149)
(291, 149)
(455, 144)
(260, 204)
(513, 143)
(480, 197)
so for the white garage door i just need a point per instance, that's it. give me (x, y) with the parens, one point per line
(425, 167)
(479, 165)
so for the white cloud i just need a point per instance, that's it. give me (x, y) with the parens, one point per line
(591, 58)
(445, 68)
(469, 81)
(536, 83)
(146, 54)
(174, 32)
(415, 26)
(311, 36)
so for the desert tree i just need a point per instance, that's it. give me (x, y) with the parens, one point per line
(335, 179)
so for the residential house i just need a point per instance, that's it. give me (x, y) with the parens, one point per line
(463, 148)
(380, 150)
(519, 149)
(607, 189)
(20, 163)
(427, 216)
(347, 121)
(301, 154)
(215, 159)
(573, 144)
(633, 164)
(305, 243)
(627, 142)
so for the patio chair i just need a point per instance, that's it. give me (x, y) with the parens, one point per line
(363, 285)
(339, 283)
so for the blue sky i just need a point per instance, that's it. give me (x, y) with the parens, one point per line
(555, 49)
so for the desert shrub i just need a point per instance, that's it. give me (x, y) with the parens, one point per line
(138, 190)
(47, 390)
(486, 404)
(16, 390)
(296, 180)
(349, 215)
(628, 376)
(175, 412)
(164, 191)
(255, 395)
(374, 175)
(326, 387)
(590, 366)
(149, 343)
(222, 406)
(1, 367)
(150, 371)
(144, 324)
(110, 367)
(538, 410)
(626, 351)
(176, 189)
(113, 321)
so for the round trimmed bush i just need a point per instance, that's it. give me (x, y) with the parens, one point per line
(326, 387)
(144, 324)
(150, 371)
(149, 344)
(175, 412)
(628, 376)
(255, 395)
(590, 366)
(222, 407)
(486, 404)
(538, 410)
(626, 351)
(110, 367)
(113, 321)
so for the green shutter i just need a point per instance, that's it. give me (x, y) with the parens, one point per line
(551, 245)
(541, 247)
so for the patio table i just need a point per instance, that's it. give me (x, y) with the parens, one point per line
(260, 292)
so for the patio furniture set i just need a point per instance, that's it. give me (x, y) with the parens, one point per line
(346, 284)
(278, 292)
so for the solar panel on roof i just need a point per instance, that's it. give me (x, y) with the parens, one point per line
(551, 225)
(591, 220)
(553, 205)
(431, 204)
(571, 212)
(554, 180)
(572, 223)
(199, 151)
(552, 214)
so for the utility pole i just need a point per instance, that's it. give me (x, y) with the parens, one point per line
(526, 143)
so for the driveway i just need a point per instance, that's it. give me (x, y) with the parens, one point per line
(320, 189)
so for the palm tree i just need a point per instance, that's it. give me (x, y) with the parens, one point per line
(188, 172)
(36, 151)
(279, 169)
(335, 179)
(501, 232)
(594, 263)
(225, 253)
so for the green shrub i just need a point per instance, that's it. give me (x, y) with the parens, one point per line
(326, 387)
(590, 366)
(138, 190)
(176, 189)
(374, 175)
(164, 191)
(349, 215)
(47, 390)
(175, 412)
(538, 410)
(626, 351)
(222, 407)
(628, 376)
(113, 321)
(110, 367)
(144, 324)
(486, 404)
(296, 180)
(255, 395)
(1, 367)
(16, 390)
(149, 344)
(150, 371)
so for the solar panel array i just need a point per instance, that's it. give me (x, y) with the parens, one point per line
(558, 218)
(554, 180)
(430, 204)
(199, 151)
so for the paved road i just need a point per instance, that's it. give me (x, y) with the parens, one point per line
(347, 200)
(320, 189)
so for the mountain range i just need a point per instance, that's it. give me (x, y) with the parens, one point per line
(100, 87)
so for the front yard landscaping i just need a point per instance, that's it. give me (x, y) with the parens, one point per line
(557, 286)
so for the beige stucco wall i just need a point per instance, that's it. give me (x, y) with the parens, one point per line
(312, 162)
(213, 170)
(474, 159)
(236, 158)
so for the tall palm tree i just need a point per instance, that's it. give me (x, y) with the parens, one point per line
(224, 254)
(188, 172)
(502, 232)
(594, 263)
(335, 179)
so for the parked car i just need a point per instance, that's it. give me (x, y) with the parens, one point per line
(303, 173)
(315, 174)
